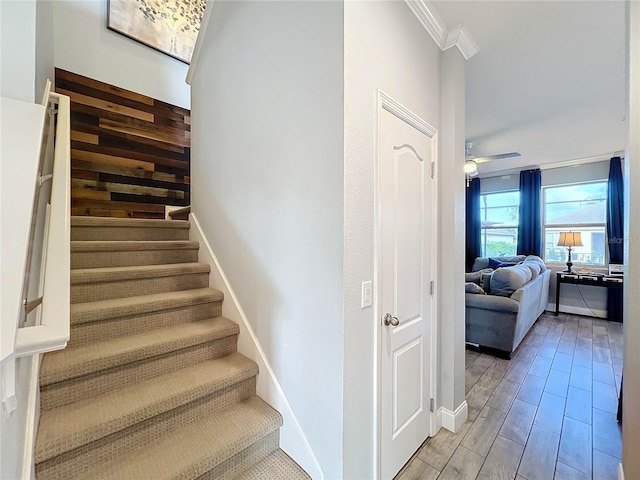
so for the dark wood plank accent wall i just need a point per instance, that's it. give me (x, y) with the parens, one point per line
(130, 154)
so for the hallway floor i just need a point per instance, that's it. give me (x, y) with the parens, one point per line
(549, 413)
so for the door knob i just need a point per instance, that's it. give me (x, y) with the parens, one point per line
(390, 320)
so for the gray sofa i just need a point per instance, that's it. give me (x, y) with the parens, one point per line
(513, 297)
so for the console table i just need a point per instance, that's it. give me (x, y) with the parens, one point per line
(582, 279)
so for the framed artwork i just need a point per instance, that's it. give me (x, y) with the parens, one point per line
(169, 26)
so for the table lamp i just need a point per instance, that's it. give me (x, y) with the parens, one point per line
(569, 239)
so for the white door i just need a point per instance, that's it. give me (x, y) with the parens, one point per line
(406, 224)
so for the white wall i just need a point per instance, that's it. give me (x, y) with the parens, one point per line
(267, 173)
(44, 67)
(385, 48)
(452, 242)
(631, 402)
(84, 45)
(17, 49)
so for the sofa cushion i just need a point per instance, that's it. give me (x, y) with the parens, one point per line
(538, 260)
(534, 267)
(470, 287)
(485, 281)
(476, 276)
(495, 263)
(505, 281)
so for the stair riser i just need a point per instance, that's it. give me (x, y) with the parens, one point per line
(233, 468)
(75, 389)
(128, 233)
(132, 258)
(89, 292)
(107, 329)
(75, 462)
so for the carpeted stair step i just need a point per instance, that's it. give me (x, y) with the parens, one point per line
(108, 319)
(103, 228)
(194, 450)
(64, 429)
(90, 284)
(76, 373)
(95, 254)
(275, 466)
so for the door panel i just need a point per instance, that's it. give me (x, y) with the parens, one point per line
(405, 193)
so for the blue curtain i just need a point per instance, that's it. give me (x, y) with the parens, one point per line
(615, 232)
(473, 222)
(530, 226)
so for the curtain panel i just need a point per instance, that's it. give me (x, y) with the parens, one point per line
(472, 223)
(529, 224)
(615, 231)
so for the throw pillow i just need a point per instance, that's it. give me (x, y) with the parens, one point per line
(494, 263)
(505, 281)
(476, 276)
(470, 287)
(533, 266)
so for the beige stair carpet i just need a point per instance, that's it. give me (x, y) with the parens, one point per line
(151, 385)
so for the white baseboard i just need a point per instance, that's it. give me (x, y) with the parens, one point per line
(620, 472)
(452, 421)
(292, 437)
(587, 312)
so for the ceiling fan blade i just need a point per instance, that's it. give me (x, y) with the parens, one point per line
(498, 156)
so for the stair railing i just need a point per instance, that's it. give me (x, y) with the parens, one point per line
(45, 313)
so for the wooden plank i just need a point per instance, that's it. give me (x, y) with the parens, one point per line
(92, 194)
(502, 461)
(84, 137)
(132, 154)
(575, 445)
(108, 106)
(110, 159)
(84, 174)
(117, 205)
(134, 173)
(440, 448)
(99, 212)
(111, 137)
(112, 89)
(464, 465)
(539, 458)
(484, 431)
(518, 422)
(150, 133)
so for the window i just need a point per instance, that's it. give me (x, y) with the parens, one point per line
(579, 208)
(499, 223)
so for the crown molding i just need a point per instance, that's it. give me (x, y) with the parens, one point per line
(458, 36)
(430, 19)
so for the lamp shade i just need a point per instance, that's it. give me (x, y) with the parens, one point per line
(570, 239)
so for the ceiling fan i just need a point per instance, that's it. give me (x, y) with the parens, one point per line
(471, 162)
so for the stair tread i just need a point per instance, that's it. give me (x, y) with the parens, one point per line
(131, 245)
(71, 426)
(129, 306)
(196, 448)
(127, 222)
(78, 361)
(275, 466)
(109, 274)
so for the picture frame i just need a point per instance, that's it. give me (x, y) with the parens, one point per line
(168, 26)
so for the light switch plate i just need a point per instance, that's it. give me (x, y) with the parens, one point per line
(367, 294)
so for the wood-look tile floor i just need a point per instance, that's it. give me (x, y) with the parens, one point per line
(548, 413)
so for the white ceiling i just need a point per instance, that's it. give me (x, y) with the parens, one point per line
(549, 80)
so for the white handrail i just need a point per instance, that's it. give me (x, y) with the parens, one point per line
(52, 332)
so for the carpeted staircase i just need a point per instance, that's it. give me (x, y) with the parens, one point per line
(151, 386)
